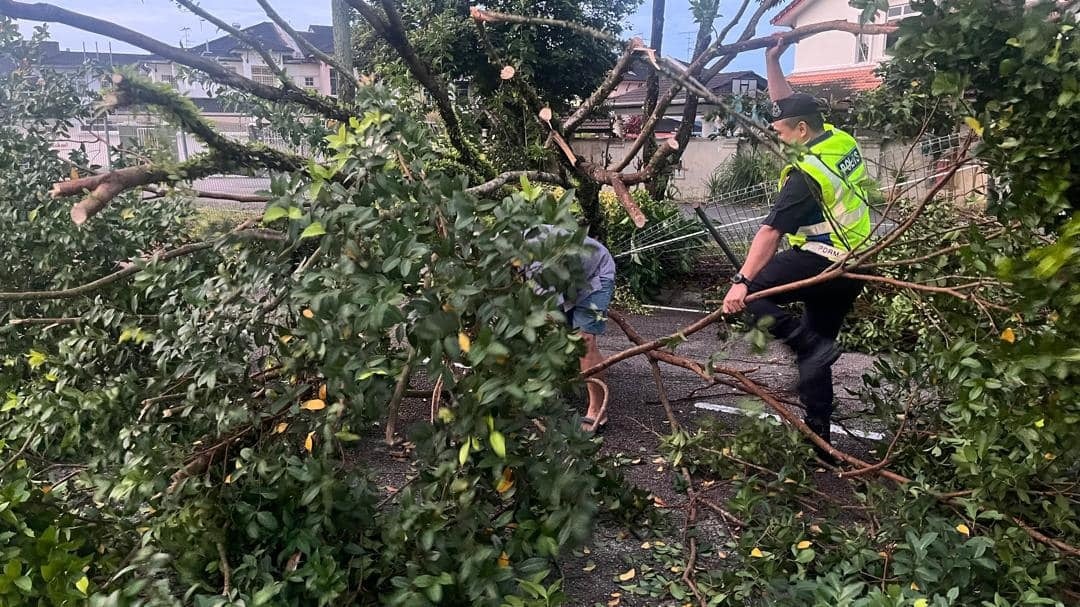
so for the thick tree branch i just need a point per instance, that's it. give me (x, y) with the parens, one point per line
(103, 187)
(217, 73)
(132, 90)
(799, 33)
(604, 90)
(305, 44)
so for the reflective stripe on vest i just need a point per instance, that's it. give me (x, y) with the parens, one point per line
(836, 164)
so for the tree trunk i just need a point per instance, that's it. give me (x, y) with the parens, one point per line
(588, 195)
(652, 90)
(343, 47)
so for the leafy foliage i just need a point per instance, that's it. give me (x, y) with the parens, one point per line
(178, 438)
(983, 397)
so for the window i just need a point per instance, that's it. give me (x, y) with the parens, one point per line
(263, 75)
(309, 81)
(862, 49)
(169, 79)
(742, 87)
(333, 82)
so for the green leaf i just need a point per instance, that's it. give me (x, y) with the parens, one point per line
(25, 584)
(463, 453)
(313, 230)
(263, 596)
(498, 443)
(346, 437)
(274, 213)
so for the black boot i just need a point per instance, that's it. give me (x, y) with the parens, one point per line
(813, 353)
(822, 427)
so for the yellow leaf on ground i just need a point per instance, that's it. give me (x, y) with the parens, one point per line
(281, 427)
(504, 560)
(83, 584)
(589, 566)
(322, 392)
(285, 339)
(803, 545)
(309, 442)
(914, 586)
(627, 576)
(921, 603)
(962, 529)
(228, 479)
(1040, 423)
(757, 553)
(1008, 335)
(464, 342)
(815, 529)
(315, 404)
(308, 313)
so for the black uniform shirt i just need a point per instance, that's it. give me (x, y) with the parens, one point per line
(797, 205)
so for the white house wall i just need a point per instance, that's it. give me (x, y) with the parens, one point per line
(828, 50)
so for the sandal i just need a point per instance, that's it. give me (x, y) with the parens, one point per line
(593, 426)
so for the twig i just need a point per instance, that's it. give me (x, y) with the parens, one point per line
(226, 572)
(1049, 541)
(436, 397)
(386, 500)
(399, 393)
(505, 178)
(26, 443)
(603, 403)
(722, 512)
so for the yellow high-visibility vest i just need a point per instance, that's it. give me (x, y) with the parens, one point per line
(836, 164)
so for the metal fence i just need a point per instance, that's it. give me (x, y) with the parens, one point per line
(904, 171)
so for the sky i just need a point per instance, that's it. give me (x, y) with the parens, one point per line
(170, 23)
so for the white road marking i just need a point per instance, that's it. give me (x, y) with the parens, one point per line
(740, 411)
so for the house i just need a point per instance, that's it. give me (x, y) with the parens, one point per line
(95, 137)
(306, 71)
(835, 65)
(628, 99)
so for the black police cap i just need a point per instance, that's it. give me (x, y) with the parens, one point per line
(799, 104)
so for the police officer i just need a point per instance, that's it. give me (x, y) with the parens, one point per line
(822, 210)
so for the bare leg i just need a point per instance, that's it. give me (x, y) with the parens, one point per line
(593, 357)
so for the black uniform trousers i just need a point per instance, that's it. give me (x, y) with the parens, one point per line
(825, 305)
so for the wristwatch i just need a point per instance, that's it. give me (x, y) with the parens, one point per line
(738, 279)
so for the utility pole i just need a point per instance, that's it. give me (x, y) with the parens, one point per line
(343, 52)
